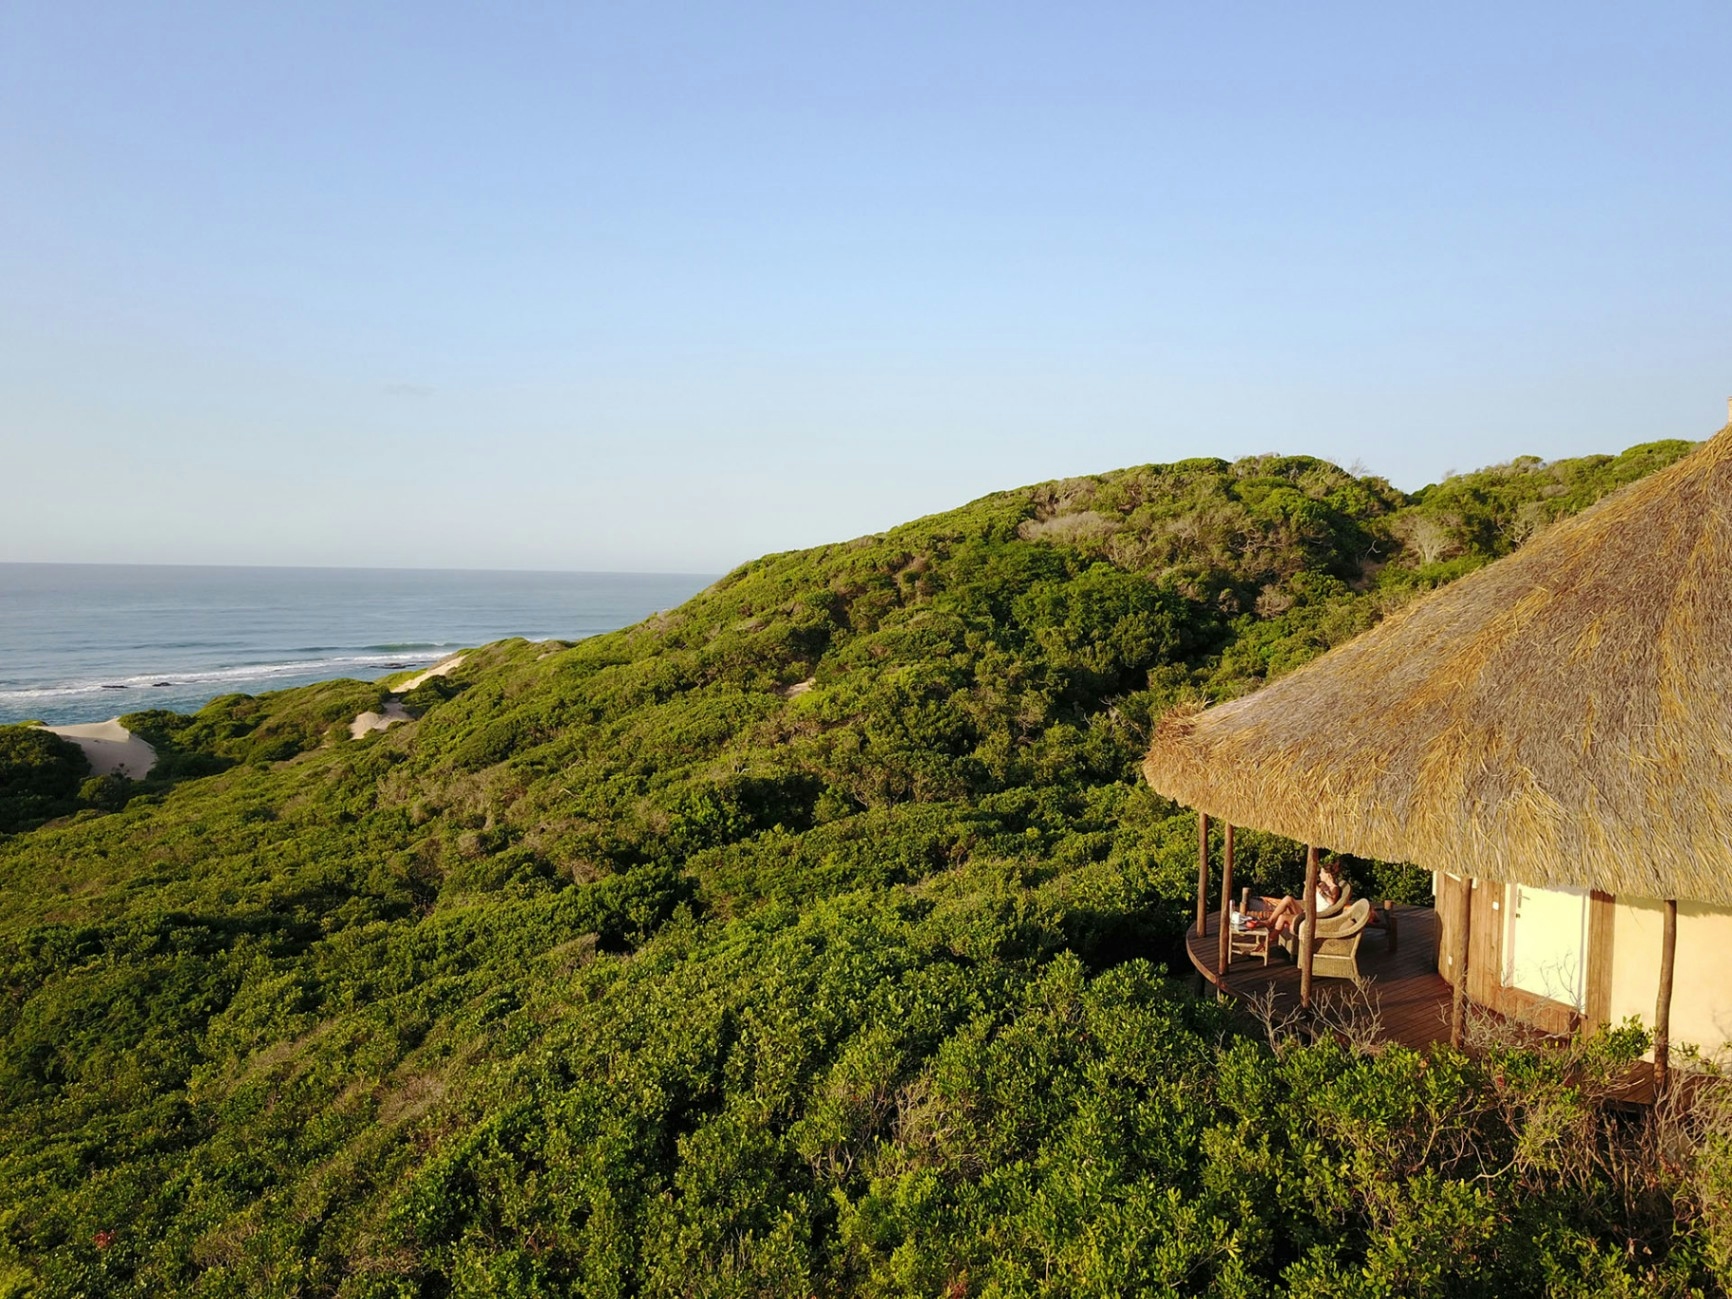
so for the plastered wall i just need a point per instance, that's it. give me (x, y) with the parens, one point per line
(1702, 970)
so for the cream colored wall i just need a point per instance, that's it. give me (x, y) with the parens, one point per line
(1701, 969)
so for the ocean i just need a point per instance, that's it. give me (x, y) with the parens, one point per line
(86, 642)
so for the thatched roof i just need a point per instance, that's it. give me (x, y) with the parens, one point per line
(1563, 716)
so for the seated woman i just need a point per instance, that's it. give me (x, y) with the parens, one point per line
(1284, 913)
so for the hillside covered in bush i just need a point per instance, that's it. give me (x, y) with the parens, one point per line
(816, 937)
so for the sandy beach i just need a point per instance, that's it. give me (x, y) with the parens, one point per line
(112, 749)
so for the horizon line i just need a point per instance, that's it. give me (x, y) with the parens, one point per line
(359, 568)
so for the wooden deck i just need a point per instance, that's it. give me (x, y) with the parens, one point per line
(1412, 998)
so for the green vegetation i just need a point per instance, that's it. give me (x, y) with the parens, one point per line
(40, 776)
(240, 728)
(812, 938)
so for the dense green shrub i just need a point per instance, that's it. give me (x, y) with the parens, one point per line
(430, 693)
(107, 793)
(242, 728)
(40, 774)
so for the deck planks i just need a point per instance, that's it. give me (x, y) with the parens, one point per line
(1412, 997)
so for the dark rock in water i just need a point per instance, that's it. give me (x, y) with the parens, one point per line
(158, 685)
(397, 665)
(115, 687)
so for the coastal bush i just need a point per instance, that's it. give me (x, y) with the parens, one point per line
(107, 793)
(814, 937)
(40, 774)
(431, 692)
(244, 728)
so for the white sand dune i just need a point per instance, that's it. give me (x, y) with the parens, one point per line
(443, 668)
(112, 749)
(393, 713)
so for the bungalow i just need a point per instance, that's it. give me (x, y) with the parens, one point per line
(1552, 737)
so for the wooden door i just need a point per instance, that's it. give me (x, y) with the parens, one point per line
(1485, 945)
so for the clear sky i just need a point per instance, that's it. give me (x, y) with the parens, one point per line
(665, 286)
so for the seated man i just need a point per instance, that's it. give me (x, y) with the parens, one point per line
(1283, 914)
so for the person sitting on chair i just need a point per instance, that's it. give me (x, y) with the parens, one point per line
(1283, 914)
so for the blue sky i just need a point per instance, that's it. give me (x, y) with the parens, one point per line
(667, 286)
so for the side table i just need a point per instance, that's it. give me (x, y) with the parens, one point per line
(1248, 942)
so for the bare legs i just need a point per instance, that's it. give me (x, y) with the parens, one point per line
(1280, 914)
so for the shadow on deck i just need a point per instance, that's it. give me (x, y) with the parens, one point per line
(1411, 996)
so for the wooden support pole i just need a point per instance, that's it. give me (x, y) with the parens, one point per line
(1226, 952)
(1663, 1005)
(1458, 964)
(1202, 873)
(1305, 948)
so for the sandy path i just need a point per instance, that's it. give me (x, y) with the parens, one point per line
(112, 749)
(393, 711)
(443, 668)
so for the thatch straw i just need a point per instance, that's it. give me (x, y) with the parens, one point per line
(1563, 716)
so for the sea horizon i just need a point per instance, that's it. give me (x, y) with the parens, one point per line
(346, 568)
(85, 642)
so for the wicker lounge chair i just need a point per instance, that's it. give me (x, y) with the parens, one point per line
(1337, 954)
